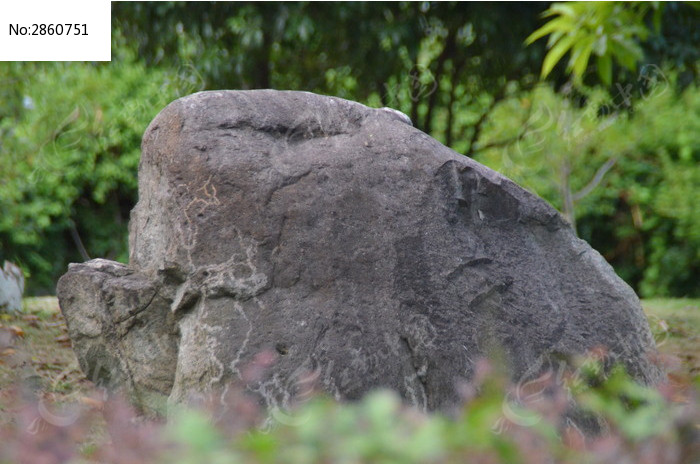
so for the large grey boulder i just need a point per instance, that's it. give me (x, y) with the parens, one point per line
(352, 244)
(11, 288)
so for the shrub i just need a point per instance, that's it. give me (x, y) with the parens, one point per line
(69, 152)
(625, 170)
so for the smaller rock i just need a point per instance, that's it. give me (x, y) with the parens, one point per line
(11, 288)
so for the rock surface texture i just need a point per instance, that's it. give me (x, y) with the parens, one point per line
(355, 246)
(11, 288)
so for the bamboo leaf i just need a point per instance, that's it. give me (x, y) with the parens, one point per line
(563, 9)
(554, 38)
(552, 26)
(626, 52)
(556, 53)
(600, 46)
(581, 57)
(605, 69)
(656, 17)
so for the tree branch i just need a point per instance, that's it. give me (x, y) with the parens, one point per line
(482, 119)
(456, 68)
(78, 243)
(597, 178)
(517, 138)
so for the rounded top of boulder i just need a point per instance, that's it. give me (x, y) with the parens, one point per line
(275, 111)
(275, 137)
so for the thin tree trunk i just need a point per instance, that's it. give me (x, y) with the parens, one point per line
(450, 106)
(414, 108)
(263, 64)
(78, 242)
(382, 94)
(484, 117)
(447, 52)
(567, 195)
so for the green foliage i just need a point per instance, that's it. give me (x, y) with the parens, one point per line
(675, 45)
(378, 429)
(627, 177)
(205, 442)
(441, 63)
(69, 152)
(607, 30)
(638, 412)
(70, 133)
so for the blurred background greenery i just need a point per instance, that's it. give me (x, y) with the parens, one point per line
(593, 106)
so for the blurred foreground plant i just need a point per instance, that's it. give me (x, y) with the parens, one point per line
(640, 424)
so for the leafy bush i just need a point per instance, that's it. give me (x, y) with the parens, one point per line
(69, 152)
(625, 170)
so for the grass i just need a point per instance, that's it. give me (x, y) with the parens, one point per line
(35, 350)
(675, 323)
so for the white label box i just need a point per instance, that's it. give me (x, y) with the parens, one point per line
(59, 30)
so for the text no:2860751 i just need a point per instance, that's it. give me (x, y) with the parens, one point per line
(49, 29)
